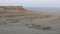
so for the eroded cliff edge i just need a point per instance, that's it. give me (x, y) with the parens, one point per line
(18, 12)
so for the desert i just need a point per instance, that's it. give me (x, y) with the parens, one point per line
(13, 20)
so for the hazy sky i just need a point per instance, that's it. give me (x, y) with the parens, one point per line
(31, 3)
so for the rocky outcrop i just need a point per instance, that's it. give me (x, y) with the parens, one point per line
(20, 13)
(12, 7)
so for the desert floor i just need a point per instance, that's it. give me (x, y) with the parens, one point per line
(20, 28)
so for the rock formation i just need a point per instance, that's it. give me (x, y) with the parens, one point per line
(21, 13)
(12, 7)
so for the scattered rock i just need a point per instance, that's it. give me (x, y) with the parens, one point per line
(29, 27)
(39, 27)
(14, 21)
(26, 24)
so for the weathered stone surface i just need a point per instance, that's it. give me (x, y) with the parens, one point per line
(20, 13)
(13, 7)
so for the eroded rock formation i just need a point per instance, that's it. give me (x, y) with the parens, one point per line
(12, 7)
(21, 13)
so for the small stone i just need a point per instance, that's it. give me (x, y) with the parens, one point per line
(29, 27)
(26, 24)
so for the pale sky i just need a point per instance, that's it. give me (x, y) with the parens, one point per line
(31, 3)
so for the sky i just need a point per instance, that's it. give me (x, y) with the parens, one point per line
(31, 3)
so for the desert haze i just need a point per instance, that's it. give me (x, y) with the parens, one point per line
(18, 20)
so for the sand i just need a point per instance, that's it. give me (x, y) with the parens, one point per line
(14, 22)
(20, 28)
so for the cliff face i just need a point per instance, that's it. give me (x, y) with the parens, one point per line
(12, 7)
(18, 12)
(4, 9)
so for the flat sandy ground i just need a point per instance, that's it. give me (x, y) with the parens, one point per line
(20, 28)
